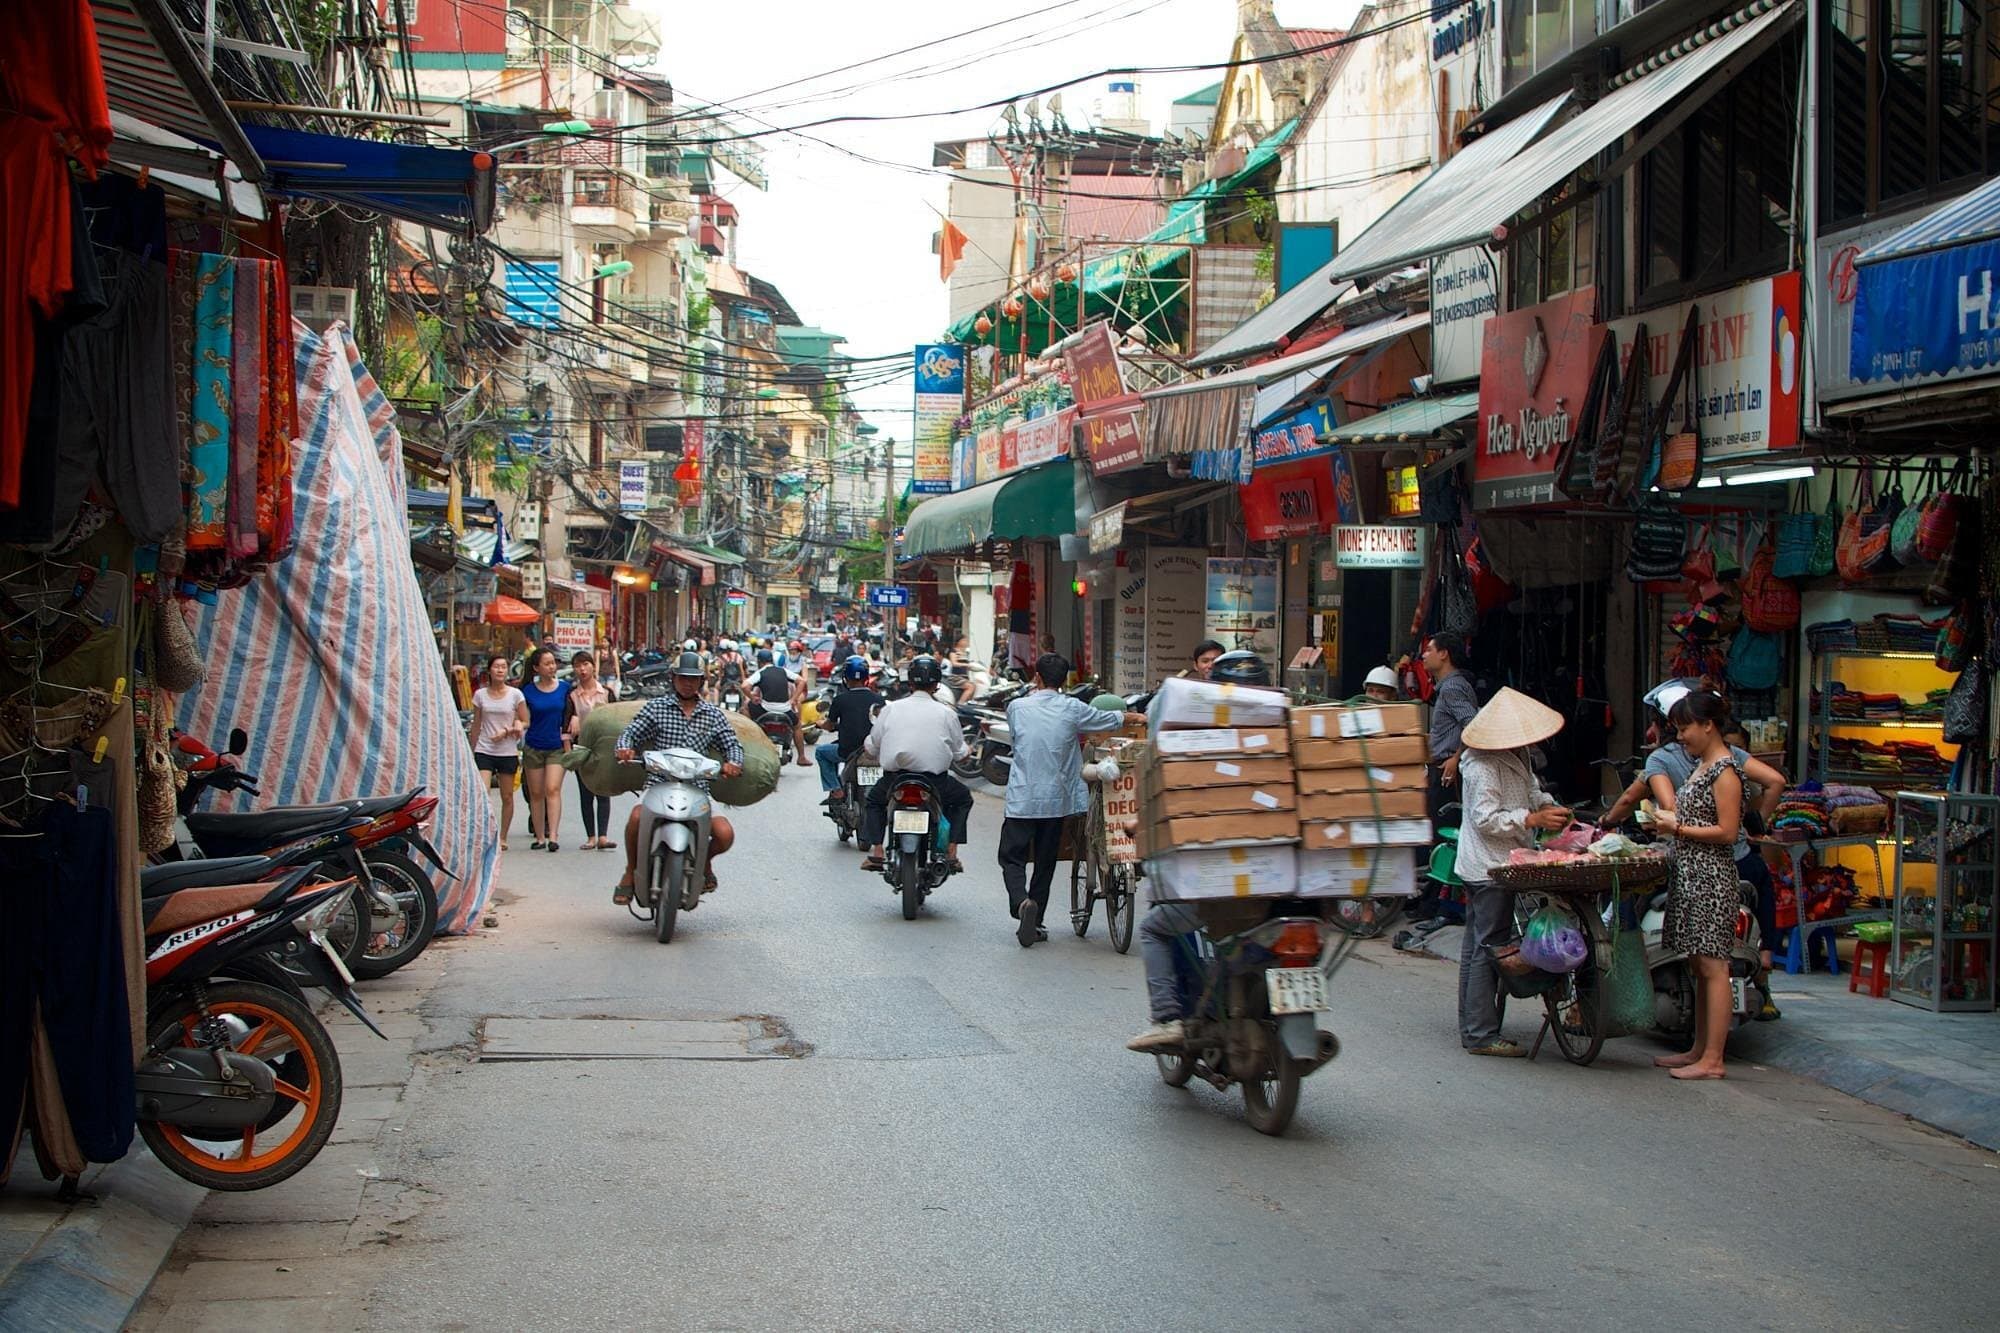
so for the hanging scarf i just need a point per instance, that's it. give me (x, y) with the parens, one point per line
(247, 419)
(208, 489)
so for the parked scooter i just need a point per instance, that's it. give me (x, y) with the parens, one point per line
(1673, 979)
(972, 725)
(1249, 1004)
(674, 819)
(913, 853)
(240, 1085)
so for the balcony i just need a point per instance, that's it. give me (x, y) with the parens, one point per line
(620, 363)
(601, 208)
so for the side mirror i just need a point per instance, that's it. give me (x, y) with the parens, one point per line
(239, 741)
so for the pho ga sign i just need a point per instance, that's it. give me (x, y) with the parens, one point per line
(1534, 370)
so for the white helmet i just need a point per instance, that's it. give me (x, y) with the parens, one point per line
(1382, 675)
(690, 646)
(726, 646)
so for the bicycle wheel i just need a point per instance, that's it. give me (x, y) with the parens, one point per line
(1576, 1014)
(1120, 905)
(1081, 891)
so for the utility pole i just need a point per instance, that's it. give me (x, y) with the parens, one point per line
(889, 550)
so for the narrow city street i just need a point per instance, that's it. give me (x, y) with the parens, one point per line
(949, 1134)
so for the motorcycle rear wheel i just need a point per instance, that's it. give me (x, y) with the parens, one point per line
(283, 1031)
(1176, 1067)
(1268, 1101)
(993, 770)
(669, 868)
(913, 887)
(416, 901)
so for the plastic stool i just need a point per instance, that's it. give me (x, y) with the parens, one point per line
(1824, 934)
(1871, 963)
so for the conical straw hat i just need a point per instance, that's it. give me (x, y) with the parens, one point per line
(1509, 721)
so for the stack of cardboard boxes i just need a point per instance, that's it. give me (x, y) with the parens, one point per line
(1240, 795)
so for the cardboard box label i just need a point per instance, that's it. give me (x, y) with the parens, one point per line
(1221, 872)
(1354, 872)
(1265, 799)
(1205, 703)
(1161, 803)
(1367, 833)
(1176, 774)
(1223, 740)
(1349, 723)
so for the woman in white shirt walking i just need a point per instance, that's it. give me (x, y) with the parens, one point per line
(499, 720)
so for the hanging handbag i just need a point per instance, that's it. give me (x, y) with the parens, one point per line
(1770, 604)
(1826, 534)
(1955, 640)
(1864, 538)
(1965, 706)
(1939, 522)
(1698, 564)
(1754, 658)
(1729, 539)
(1680, 453)
(1883, 519)
(1659, 546)
(1796, 532)
(1903, 528)
(1458, 608)
(1955, 578)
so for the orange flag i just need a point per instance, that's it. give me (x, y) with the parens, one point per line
(951, 247)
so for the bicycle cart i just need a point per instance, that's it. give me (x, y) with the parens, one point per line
(1574, 1009)
(1104, 860)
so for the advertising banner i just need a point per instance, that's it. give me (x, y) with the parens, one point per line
(964, 463)
(1241, 610)
(986, 456)
(1926, 316)
(1095, 373)
(575, 632)
(632, 487)
(1107, 529)
(1128, 630)
(1044, 439)
(1464, 295)
(1833, 294)
(1112, 436)
(940, 401)
(1176, 580)
(1287, 439)
(1746, 357)
(1379, 547)
(694, 440)
(1534, 372)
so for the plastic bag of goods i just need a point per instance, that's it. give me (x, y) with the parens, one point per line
(594, 758)
(1554, 942)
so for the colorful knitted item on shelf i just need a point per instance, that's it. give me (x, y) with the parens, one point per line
(1830, 634)
(1909, 633)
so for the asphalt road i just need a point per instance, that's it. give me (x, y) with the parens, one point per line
(968, 1145)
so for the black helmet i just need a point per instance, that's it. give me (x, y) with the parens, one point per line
(854, 668)
(1241, 667)
(924, 673)
(763, 657)
(689, 664)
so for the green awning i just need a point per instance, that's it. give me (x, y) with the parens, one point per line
(1405, 423)
(714, 554)
(1038, 503)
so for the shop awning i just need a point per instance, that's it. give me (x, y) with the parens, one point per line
(1510, 170)
(505, 610)
(1966, 220)
(715, 555)
(1288, 312)
(1406, 423)
(663, 551)
(477, 546)
(152, 74)
(446, 188)
(1037, 503)
(1216, 413)
(181, 165)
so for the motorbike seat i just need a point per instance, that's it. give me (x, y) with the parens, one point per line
(191, 906)
(270, 827)
(159, 881)
(372, 807)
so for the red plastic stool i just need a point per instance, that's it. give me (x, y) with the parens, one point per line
(1871, 960)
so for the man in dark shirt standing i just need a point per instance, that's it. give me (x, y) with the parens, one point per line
(852, 717)
(1455, 704)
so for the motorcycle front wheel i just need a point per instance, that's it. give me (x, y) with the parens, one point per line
(1120, 906)
(416, 910)
(282, 1031)
(966, 769)
(993, 769)
(669, 868)
(909, 875)
(1269, 1100)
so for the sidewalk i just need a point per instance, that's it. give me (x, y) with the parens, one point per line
(1942, 1069)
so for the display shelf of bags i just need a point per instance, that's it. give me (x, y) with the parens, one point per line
(1915, 677)
(1942, 949)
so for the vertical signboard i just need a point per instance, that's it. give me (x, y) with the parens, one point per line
(1176, 581)
(940, 402)
(1095, 374)
(694, 440)
(1464, 294)
(632, 487)
(1128, 629)
(1534, 372)
(1241, 606)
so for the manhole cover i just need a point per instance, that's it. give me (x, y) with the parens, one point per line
(505, 1040)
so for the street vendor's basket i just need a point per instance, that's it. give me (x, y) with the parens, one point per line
(1601, 875)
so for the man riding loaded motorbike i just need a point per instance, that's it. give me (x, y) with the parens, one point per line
(683, 721)
(776, 686)
(852, 716)
(917, 736)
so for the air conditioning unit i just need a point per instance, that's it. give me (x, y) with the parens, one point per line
(318, 307)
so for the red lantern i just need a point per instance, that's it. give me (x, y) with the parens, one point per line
(1038, 287)
(982, 326)
(1065, 272)
(1011, 307)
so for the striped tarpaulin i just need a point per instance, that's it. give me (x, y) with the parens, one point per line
(327, 659)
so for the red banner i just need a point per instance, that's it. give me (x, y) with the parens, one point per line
(1095, 373)
(1534, 371)
(1113, 436)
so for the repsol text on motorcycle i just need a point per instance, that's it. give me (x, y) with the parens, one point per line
(239, 1086)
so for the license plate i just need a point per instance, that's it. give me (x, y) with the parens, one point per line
(333, 956)
(911, 821)
(869, 776)
(1296, 990)
(1740, 994)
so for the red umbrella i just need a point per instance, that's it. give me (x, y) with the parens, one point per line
(504, 610)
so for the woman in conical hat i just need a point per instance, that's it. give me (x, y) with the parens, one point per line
(1504, 807)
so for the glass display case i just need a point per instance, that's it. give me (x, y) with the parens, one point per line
(1941, 953)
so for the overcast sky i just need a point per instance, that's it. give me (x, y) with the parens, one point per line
(849, 241)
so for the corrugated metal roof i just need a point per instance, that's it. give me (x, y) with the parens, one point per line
(1288, 312)
(1417, 419)
(151, 73)
(1462, 208)
(1968, 218)
(1113, 208)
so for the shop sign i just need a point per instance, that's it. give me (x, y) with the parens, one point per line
(1128, 631)
(1241, 610)
(736, 598)
(478, 586)
(1346, 494)
(1095, 373)
(1288, 439)
(965, 462)
(574, 632)
(1044, 439)
(1464, 296)
(1107, 529)
(1833, 292)
(1010, 447)
(1405, 496)
(534, 581)
(1746, 365)
(986, 459)
(940, 401)
(1378, 547)
(632, 487)
(1176, 579)
(1927, 316)
(1465, 68)
(1113, 438)
(1534, 372)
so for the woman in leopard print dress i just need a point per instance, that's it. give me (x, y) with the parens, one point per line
(1702, 906)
